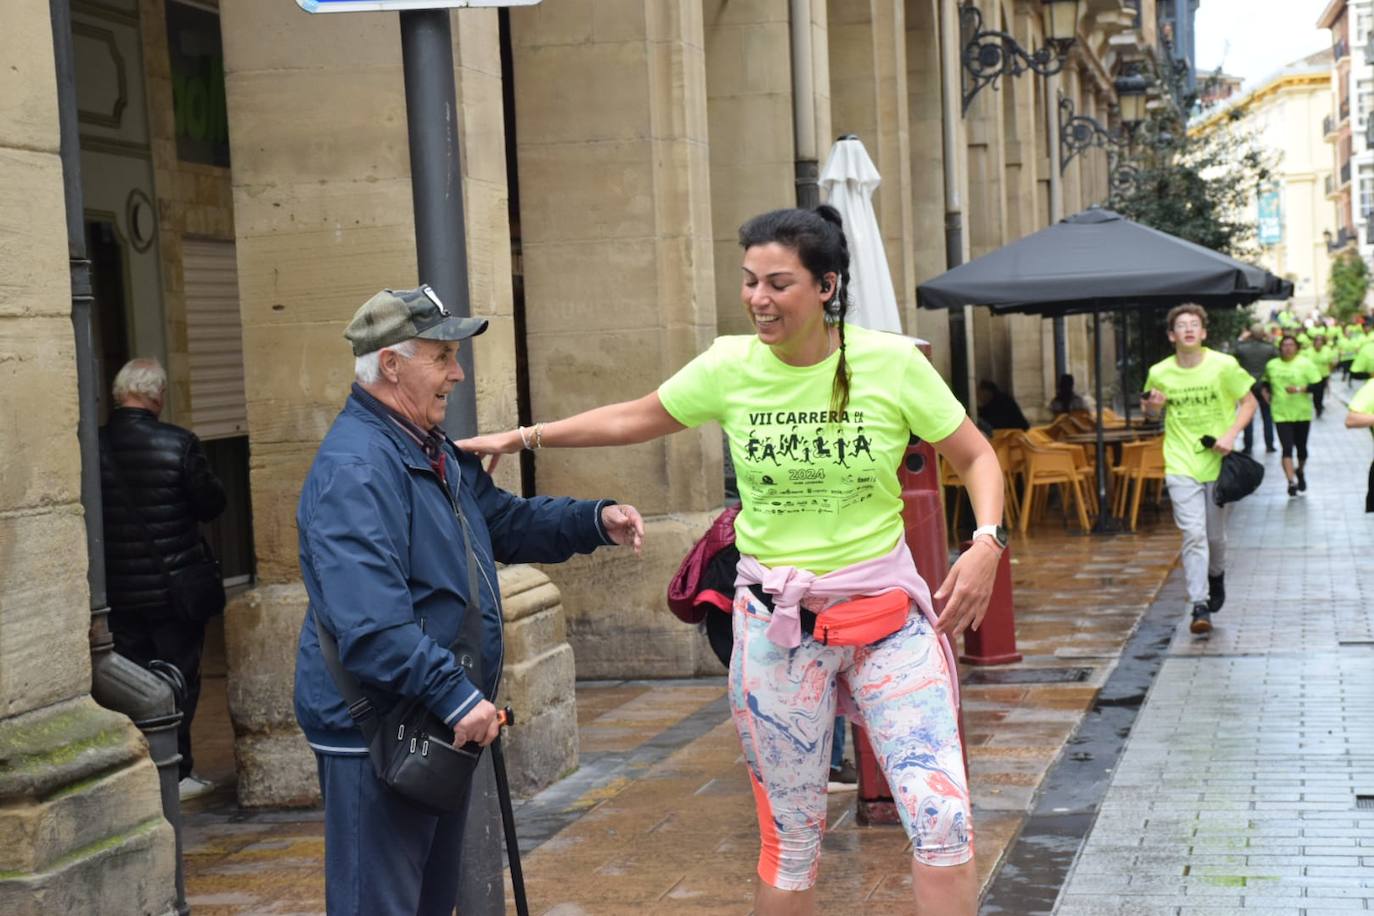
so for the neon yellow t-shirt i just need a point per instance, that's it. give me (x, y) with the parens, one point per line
(1363, 401)
(1299, 373)
(1349, 345)
(1321, 358)
(1201, 402)
(818, 492)
(1364, 360)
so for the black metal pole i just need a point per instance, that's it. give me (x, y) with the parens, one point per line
(958, 328)
(436, 180)
(436, 183)
(1105, 522)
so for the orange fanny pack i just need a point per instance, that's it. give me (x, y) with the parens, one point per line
(862, 621)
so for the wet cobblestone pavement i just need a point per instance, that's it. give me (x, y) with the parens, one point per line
(1240, 787)
(659, 818)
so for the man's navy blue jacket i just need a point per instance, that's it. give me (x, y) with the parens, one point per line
(383, 562)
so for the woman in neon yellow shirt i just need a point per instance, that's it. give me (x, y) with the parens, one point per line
(1289, 378)
(1361, 416)
(818, 415)
(1323, 356)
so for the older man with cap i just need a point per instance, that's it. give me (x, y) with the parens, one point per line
(383, 558)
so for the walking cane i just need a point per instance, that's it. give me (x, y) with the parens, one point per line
(498, 760)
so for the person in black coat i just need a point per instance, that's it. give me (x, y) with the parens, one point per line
(998, 409)
(156, 488)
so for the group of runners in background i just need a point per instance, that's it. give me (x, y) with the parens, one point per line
(1292, 382)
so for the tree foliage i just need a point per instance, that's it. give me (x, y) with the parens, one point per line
(1349, 283)
(1198, 185)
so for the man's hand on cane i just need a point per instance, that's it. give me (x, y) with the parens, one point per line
(482, 724)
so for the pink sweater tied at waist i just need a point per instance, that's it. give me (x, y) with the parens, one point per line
(790, 587)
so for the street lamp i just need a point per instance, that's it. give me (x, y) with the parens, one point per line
(989, 54)
(1133, 92)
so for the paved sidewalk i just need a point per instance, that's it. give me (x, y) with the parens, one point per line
(1239, 789)
(659, 818)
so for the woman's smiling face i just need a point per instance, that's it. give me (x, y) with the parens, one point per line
(783, 299)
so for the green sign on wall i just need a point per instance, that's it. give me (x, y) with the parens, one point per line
(197, 62)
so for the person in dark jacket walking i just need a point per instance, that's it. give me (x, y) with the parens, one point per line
(382, 558)
(157, 485)
(1253, 352)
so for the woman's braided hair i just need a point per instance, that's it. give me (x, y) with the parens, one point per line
(817, 236)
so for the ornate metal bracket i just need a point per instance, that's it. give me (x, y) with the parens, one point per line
(1080, 132)
(989, 55)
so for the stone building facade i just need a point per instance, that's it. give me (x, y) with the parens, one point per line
(247, 184)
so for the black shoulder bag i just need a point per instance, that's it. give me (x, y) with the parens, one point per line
(411, 748)
(196, 592)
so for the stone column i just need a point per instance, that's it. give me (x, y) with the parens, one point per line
(323, 218)
(868, 97)
(925, 121)
(611, 122)
(81, 826)
(749, 109)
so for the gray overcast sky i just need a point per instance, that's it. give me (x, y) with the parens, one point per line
(1254, 38)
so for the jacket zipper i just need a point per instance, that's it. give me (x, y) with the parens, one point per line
(455, 503)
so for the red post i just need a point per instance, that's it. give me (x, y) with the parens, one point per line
(994, 642)
(925, 536)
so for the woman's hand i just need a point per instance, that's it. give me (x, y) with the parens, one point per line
(968, 588)
(493, 444)
(624, 525)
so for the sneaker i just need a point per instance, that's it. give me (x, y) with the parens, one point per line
(1292, 488)
(1216, 592)
(1302, 482)
(194, 786)
(1202, 619)
(843, 778)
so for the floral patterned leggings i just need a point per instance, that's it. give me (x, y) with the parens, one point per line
(784, 703)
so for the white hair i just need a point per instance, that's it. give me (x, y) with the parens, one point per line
(368, 367)
(143, 377)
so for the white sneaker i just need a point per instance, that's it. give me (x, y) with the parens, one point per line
(194, 786)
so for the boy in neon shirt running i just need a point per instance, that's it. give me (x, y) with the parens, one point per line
(1207, 394)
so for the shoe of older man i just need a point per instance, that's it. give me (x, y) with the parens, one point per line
(1202, 619)
(843, 778)
(194, 786)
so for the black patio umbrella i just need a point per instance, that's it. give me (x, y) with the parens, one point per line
(1097, 261)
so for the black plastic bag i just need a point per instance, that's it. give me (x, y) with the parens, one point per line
(1241, 475)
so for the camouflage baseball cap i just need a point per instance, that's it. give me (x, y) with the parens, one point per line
(396, 315)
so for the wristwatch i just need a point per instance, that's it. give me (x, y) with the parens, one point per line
(996, 532)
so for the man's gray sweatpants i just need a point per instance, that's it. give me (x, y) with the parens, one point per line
(1203, 524)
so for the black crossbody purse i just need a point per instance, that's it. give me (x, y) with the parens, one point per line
(410, 747)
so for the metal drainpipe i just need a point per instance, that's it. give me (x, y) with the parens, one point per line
(1061, 337)
(807, 163)
(149, 699)
(951, 110)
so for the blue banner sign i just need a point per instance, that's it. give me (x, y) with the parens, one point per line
(1270, 217)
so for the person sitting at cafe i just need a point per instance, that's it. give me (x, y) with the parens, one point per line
(997, 409)
(1066, 400)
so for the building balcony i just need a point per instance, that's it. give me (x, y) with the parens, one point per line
(1330, 186)
(1328, 127)
(1341, 49)
(1345, 108)
(1345, 174)
(1347, 237)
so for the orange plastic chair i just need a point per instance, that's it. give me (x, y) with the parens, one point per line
(1009, 456)
(1123, 474)
(1151, 468)
(1050, 467)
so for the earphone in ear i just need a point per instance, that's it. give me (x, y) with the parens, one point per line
(825, 286)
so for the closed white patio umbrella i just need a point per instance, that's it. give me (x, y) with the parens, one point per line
(848, 181)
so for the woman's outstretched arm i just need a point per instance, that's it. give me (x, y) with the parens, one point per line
(626, 423)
